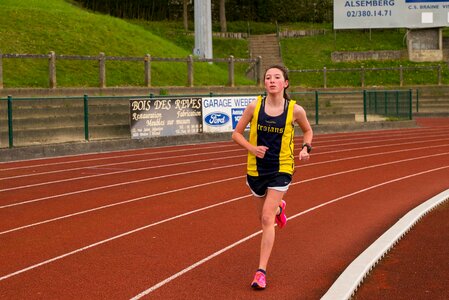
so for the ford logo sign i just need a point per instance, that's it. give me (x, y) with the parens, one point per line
(217, 119)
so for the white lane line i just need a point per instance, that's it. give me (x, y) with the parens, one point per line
(111, 173)
(122, 163)
(208, 169)
(353, 137)
(325, 138)
(120, 184)
(151, 167)
(115, 237)
(201, 209)
(102, 157)
(178, 156)
(206, 259)
(208, 183)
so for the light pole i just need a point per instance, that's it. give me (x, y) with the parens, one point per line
(203, 28)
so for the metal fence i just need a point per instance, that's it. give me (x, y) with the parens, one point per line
(52, 58)
(356, 76)
(396, 104)
(362, 73)
(51, 119)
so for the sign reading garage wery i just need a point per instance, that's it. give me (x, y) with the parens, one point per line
(221, 114)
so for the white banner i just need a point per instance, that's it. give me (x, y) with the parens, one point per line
(390, 14)
(221, 114)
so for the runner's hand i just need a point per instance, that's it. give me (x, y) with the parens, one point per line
(304, 155)
(260, 151)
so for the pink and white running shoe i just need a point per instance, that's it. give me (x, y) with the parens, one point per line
(260, 281)
(281, 219)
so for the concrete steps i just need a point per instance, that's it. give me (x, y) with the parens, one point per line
(267, 47)
(46, 121)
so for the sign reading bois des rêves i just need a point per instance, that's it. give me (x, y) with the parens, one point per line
(150, 117)
(390, 14)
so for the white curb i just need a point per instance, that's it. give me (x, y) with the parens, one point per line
(347, 283)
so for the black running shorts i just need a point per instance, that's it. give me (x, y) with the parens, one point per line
(260, 184)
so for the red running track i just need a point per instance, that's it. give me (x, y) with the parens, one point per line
(178, 222)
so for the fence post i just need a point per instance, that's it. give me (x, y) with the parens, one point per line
(365, 119)
(410, 103)
(259, 71)
(10, 130)
(362, 71)
(439, 74)
(102, 65)
(190, 71)
(397, 103)
(1, 70)
(86, 117)
(401, 76)
(325, 77)
(147, 62)
(231, 71)
(317, 110)
(417, 100)
(52, 70)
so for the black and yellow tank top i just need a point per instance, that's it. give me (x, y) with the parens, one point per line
(275, 132)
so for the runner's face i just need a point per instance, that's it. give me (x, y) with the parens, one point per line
(275, 81)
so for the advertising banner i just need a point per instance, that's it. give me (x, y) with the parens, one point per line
(354, 14)
(221, 114)
(150, 117)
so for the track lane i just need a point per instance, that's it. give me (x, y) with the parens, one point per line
(97, 260)
(303, 172)
(59, 209)
(312, 251)
(326, 197)
(51, 166)
(5, 191)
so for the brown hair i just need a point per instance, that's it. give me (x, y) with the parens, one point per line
(284, 71)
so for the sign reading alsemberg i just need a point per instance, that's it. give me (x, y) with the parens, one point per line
(390, 14)
(150, 117)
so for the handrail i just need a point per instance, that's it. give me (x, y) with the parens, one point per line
(314, 104)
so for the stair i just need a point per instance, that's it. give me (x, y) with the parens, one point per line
(267, 47)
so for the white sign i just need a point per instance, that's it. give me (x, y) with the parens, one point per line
(390, 13)
(221, 114)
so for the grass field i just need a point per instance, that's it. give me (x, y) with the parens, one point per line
(41, 26)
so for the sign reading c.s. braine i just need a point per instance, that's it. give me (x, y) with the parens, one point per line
(390, 14)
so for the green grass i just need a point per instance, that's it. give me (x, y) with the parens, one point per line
(41, 26)
(315, 53)
(38, 27)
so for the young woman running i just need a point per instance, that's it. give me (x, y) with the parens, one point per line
(270, 156)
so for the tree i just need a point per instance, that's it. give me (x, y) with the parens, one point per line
(185, 14)
(223, 25)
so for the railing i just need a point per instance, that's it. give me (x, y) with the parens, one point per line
(363, 71)
(52, 58)
(254, 67)
(389, 103)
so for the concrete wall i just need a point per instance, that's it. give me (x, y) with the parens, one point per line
(425, 45)
(367, 55)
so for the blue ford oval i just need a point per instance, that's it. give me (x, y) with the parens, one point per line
(217, 119)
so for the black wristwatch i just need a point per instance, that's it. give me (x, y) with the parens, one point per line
(309, 147)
